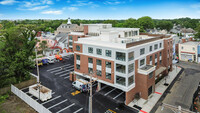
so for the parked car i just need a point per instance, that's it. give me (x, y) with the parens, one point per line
(40, 63)
(81, 85)
(51, 60)
(45, 61)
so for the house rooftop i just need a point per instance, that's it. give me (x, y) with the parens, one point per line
(191, 43)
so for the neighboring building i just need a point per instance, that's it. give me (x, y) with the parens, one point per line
(156, 31)
(189, 51)
(124, 59)
(69, 27)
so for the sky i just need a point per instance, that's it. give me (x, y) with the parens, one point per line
(98, 9)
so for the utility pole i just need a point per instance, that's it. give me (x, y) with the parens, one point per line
(38, 79)
(90, 98)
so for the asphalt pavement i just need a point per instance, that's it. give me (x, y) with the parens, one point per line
(67, 99)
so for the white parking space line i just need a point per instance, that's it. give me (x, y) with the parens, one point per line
(66, 108)
(104, 87)
(118, 95)
(78, 110)
(66, 77)
(53, 93)
(57, 67)
(51, 99)
(109, 91)
(64, 74)
(64, 71)
(57, 104)
(64, 68)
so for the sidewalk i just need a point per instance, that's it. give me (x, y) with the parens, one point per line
(147, 105)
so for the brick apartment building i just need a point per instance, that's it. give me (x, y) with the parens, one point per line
(122, 58)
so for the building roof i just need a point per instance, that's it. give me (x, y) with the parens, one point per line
(191, 43)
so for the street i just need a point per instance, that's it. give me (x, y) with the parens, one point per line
(181, 94)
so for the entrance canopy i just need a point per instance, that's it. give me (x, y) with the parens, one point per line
(159, 70)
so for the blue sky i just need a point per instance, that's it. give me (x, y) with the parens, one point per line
(98, 9)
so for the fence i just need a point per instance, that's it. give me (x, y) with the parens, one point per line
(34, 104)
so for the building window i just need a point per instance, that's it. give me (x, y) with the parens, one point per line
(130, 80)
(193, 49)
(108, 53)
(120, 80)
(182, 47)
(150, 48)
(156, 63)
(99, 62)
(155, 46)
(150, 75)
(78, 36)
(108, 64)
(142, 62)
(120, 68)
(78, 66)
(90, 70)
(78, 48)
(142, 51)
(160, 54)
(90, 50)
(130, 68)
(90, 60)
(108, 76)
(160, 45)
(77, 57)
(99, 51)
(70, 43)
(160, 61)
(70, 37)
(150, 58)
(120, 56)
(98, 73)
(130, 56)
(155, 56)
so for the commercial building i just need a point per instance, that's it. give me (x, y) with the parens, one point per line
(189, 51)
(123, 58)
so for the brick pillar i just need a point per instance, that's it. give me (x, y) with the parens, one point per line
(98, 86)
(72, 77)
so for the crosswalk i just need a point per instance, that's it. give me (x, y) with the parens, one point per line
(62, 71)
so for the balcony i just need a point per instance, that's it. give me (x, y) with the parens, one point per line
(146, 69)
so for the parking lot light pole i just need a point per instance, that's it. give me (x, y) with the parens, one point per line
(90, 98)
(38, 79)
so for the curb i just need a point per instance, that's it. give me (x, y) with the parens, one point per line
(159, 102)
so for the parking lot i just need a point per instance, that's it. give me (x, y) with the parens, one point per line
(66, 99)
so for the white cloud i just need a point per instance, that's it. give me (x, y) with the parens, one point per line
(47, 2)
(73, 8)
(38, 8)
(29, 4)
(196, 6)
(112, 2)
(8, 2)
(84, 3)
(54, 12)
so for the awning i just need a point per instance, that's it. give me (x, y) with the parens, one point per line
(159, 70)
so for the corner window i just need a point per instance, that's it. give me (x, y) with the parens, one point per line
(108, 53)
(142, 62)
(120, 56)
(78, 48)
(90, 60)
(155, 46)
(150, 48)
(142, 51)
(130, 68)
(120, 80)
(120, 68)
(130, 56)
(99, 51)
(90, 50)
(77, 57)
(130, 80)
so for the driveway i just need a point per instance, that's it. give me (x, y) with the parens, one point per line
(181, 93)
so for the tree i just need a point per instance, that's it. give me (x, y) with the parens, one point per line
(197, 35)
(146, 22)
(43, 46)
(164, 25)
(15, 62)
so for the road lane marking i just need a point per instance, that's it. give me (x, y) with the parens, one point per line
(78, 110)
(58, 104)
(64, 71)
(57, 67)
(66, 77)
(66, 108)
(51, 99)
(64, 74)
(111, 111)
(53, 93)
(118, 95)
(109, 92)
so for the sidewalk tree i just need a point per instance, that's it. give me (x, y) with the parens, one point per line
(18, 46)
(197, 35)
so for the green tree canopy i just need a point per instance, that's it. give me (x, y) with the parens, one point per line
(146, 22)
(197, 35)
(164, 25)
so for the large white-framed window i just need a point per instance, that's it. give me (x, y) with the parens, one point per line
(121, 80)
(131, 56)
(120, 56)
(120, 68)
(90, 50)
(155, 46)
(108, 53)
(130, 68)
(142, 62)
(130, 80)
(142, 51)
(99, 51)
